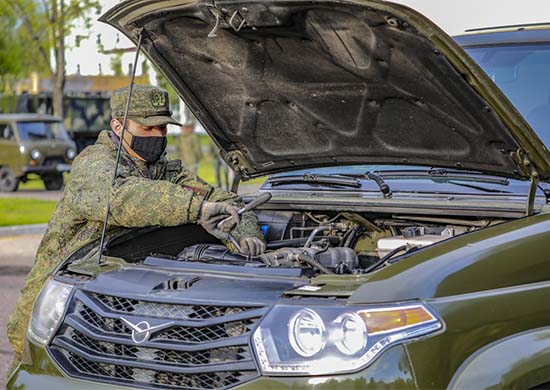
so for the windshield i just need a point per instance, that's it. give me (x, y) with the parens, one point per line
(522, 72)
(32, 131)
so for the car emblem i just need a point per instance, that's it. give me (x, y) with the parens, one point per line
(142, 330)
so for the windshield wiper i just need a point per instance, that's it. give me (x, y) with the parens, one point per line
(442, 174)
(310, 178)
(479, 188)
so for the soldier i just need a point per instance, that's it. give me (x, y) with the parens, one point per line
(149, 190)
(188, 146)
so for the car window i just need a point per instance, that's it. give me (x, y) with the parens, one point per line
(522, 72)
(32, 131)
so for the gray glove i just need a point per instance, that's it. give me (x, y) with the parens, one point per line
(252, 246)
(213, 213)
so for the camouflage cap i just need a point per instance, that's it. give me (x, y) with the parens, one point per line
(149, 105)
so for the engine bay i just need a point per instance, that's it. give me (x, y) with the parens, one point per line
(314, 242)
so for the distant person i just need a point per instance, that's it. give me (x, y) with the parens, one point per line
(188, 146)
(23, 103)
(224, 175)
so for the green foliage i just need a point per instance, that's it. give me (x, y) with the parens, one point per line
(164, 84)
(116, 64)
(18, 211)
(31, 30)
(15, 60)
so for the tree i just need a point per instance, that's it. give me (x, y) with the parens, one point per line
(116, 64)
(44, 26)
(14, 61)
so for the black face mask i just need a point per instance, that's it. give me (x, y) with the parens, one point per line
(148, 148)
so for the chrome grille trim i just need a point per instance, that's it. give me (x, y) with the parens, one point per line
(165, 310)
(190, 353)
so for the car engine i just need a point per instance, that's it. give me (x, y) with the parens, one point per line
(341, 243)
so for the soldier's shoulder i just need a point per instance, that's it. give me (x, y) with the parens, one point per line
(94, 152)
(95, 155)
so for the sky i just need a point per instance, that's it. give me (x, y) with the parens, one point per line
(453, 16)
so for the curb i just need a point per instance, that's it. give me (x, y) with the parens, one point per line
(22, 230)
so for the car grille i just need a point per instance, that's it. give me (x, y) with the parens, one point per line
(192, 346)
(163, 310)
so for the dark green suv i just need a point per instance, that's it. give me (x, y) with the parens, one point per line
(33, 144)
(408, 230)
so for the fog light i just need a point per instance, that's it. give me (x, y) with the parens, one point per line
(306, 332)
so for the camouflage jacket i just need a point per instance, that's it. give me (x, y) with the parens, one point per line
(162, 194)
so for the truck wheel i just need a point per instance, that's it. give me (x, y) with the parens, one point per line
(53, 182)
(8, 182)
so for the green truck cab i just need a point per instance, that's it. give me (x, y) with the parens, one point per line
(407, 231)
(33, 144)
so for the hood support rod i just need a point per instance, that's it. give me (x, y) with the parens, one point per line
(115, 173)
(532, 192)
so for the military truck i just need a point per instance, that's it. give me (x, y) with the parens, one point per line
(34, 144)
(86, 114)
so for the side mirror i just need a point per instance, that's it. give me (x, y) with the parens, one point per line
(7, 133)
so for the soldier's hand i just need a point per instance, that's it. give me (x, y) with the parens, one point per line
(213, 213)
(252, 246)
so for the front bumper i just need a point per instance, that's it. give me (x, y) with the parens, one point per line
(390, 370)
(44, 169)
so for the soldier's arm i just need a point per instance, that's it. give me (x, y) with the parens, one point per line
(135, 201)
(248, 227)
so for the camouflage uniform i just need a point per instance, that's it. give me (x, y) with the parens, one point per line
(162, 193)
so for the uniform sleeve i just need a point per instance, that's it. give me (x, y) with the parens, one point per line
(248, 227)
(135, 201)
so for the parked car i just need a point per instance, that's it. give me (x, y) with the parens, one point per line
(33, 144)
(407, 231)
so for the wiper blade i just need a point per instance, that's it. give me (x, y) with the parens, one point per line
(309, 178)
(479, 188)
(442, 174)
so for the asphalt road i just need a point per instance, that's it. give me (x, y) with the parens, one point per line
(33, 194)
(16, 258)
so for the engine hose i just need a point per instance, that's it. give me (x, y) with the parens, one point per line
(388, 256)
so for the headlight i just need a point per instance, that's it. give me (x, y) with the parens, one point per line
(299, 340)
(48, 311)
(306, 333)
(35, 154)
(70, 153)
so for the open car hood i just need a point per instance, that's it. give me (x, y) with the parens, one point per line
(296, 84)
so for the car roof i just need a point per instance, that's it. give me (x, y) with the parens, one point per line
(503, 35)
(26, 117)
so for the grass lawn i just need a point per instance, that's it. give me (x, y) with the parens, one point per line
(18, 211)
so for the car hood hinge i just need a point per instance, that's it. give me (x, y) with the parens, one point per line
(526, 166)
